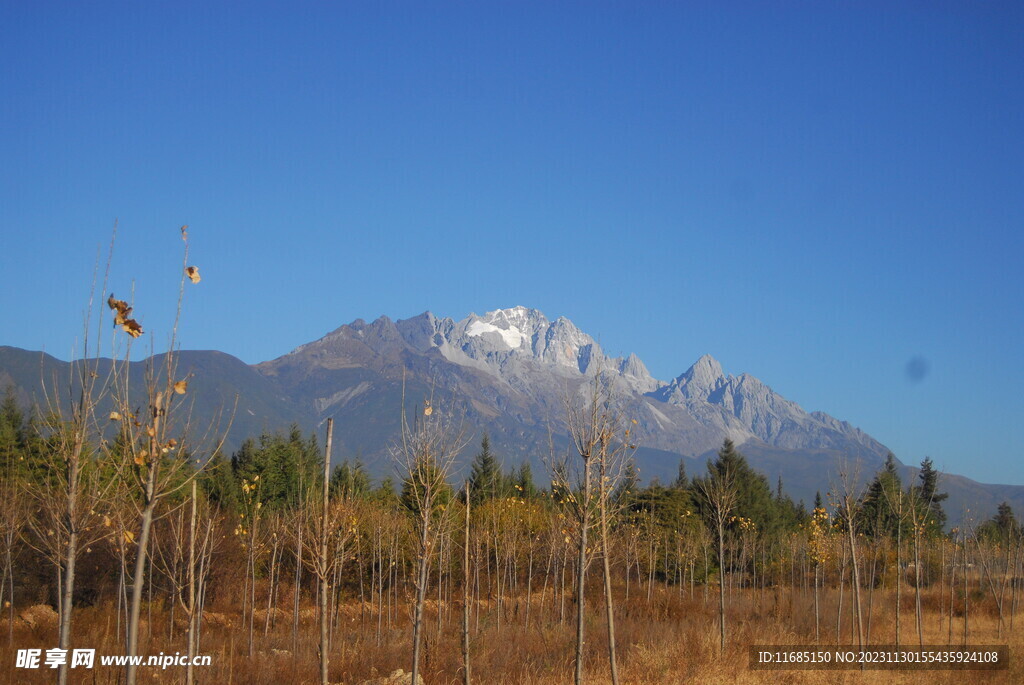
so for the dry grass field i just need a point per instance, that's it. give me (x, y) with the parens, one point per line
(672, 638)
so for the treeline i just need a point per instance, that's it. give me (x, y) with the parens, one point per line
(254, 522)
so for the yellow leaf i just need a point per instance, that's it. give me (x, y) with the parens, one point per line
(180, 387)
(116, 304)
(106, 521)
(193, 273)
(121, 312)
(132, 328)
(129, 536)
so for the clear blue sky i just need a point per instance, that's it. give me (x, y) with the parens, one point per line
(814, 195)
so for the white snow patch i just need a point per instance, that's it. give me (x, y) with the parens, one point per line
(512, 336)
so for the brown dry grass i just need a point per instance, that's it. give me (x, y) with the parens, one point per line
(672, 639)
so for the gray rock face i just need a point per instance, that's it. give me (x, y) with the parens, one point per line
(515, 365)
(521, 343)
(716, 399)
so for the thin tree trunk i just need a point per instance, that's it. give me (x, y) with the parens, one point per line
(721, 586)
(324, 657)
(967, 596)
(529, 588)
(899, 576)
(421, 590)
(952, 591)
(817, 616)
(465, 596)
(10, 585)
(839, 609)
(189, 675)
(139, 577)
(917, 587)
(609, 609)
(297, 590)
(67, 594)
(855, 578)
(871, 593)
(581, 571)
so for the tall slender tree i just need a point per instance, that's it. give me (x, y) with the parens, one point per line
(486, 479)
(719, 494)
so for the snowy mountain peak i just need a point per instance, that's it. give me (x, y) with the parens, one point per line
(517, 360)
(510, 335)
(515, 327)
(519, 316)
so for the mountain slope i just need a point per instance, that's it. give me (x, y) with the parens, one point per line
(509, 372)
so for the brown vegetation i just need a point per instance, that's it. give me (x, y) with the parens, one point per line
(672, 638)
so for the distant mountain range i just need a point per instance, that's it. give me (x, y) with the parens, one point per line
(509, 372)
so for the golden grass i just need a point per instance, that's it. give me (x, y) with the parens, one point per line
(671, 639)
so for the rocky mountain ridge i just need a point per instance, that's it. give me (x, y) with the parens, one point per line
(509, 373)
(532, 359)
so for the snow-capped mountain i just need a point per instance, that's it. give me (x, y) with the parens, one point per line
(514, 343)
(509, 372)
(516, 362)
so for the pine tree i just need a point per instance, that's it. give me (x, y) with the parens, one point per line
(1004, 518)
(879, 510)
(629, 485)
(929, 496)
(12, 436)
(682, 481)
(486, 478)
(753, 495)
(524, 481)
(385, 493)
(1002, 527)
(413, 487)
(350, 479)
(219, 483)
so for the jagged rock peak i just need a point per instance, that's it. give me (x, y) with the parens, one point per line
(519, 316)
(706, 367)
(509, 343)
(632, 365)
(701, 378)
(515, 326)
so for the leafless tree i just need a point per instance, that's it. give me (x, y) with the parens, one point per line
(465, 590)
(896, 501)
(13, 519)
(601, 441)
(153, 462)
(718, 490)
(426, 455)
(67, 501)
(848, 500)
(613, 450)
(329, 527)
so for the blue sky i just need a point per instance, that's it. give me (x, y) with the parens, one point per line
(814, 195)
